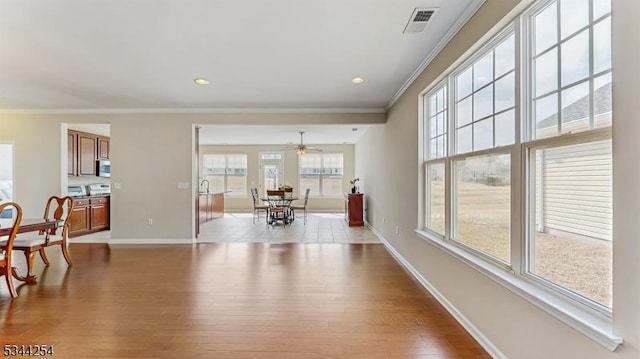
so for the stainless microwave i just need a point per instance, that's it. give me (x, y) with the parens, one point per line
(103, 168)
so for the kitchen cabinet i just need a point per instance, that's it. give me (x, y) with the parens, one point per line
(104, 149)
(83, 149)
(89, 215)
(72, 153)
(353, 209)
(210, 206)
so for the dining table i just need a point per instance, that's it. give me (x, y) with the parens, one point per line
(283, 202)
(27, 225)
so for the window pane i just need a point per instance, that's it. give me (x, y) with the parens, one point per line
(601, 7)
(483, 71)
(602, 101)
(312, 182)
(602, 45)
(463, 115)
(435, 200)
(483, 134)
(483, 204)
(505, 56)
(433, 126)
(571, 244)
(546, 72)
(216, 183)
(505, 93)
(440, 100)
(439, 124)
(505, 128)
(546, 116)
(433, 148)
(483, 103)
(442, 146)
(574, 15)
(463, 139)
(6, 177)
(463, 84)
(332, 185)
(546, 28)
(432, 106)
(574, 63)
(575, 108)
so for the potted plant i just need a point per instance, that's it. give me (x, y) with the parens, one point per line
(353, 182)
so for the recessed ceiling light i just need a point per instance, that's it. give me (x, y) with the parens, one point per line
(201, 81)
(354, 129)
(357, 80)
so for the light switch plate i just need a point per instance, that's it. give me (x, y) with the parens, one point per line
(183, 185)
(116, 185)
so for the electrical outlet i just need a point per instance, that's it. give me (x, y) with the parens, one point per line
(384, 220)
(397, 229)
(150, 221)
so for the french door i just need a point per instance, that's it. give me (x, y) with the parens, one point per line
(271, 171)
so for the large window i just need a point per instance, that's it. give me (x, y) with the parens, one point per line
(6, 176)
(525, 172)
(570, 189)
(322, 173)
(226, 173)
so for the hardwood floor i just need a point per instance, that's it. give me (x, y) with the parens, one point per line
(231, 300)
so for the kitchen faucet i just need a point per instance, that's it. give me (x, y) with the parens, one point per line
(203, 181)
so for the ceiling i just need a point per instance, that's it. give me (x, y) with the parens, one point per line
(281, 134)
(143, 55)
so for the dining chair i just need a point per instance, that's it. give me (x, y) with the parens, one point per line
(277, 211)
(6, 267)
(257, 207)
(302, 207)
(57, 208)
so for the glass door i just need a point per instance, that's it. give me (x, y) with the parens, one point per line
(271, 171)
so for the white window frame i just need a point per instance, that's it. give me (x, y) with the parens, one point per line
(593, 321)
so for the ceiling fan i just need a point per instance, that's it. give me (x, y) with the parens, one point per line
(302, 149)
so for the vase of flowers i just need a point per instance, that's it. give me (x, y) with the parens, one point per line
(353, 182)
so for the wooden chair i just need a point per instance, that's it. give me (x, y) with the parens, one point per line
(257, 207)
(6, 267)
(303, 207)
(57, 208)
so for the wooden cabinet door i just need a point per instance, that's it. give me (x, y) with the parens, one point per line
(99, 213)
(72, 153)
(104, 151)
(87, 155)
(80, 220)
(99, 217)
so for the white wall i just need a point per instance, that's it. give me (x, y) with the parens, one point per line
(388, 164)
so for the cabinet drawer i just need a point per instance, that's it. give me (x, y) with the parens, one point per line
(80, 202)
(99, 200)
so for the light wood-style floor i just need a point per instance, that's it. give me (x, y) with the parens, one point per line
(231, 300)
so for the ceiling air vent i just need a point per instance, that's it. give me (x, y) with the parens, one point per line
(419, 20)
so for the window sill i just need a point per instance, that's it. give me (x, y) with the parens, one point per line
(594, 325)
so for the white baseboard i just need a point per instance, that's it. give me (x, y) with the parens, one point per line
(151, 241)
(466, 323)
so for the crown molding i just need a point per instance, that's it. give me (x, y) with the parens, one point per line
(119, 111)
(469, 12)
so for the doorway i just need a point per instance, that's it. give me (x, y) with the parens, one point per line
(271, 170)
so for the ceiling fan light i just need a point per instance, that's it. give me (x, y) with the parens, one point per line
(300, 151)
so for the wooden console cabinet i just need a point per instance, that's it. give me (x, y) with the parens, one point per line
(353, 209)
(89, 215)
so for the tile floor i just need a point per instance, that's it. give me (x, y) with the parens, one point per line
(320, 228)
